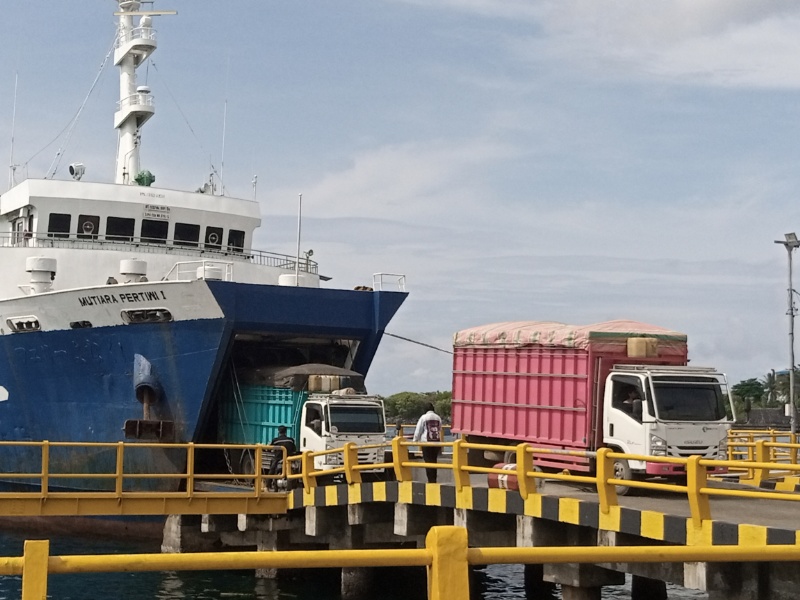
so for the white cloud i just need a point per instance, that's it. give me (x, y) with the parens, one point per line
(712, 42)
(407, 182)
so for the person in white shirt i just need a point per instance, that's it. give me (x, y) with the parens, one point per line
(429, 429)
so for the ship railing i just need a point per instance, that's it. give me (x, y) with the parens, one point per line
(145, 246)
(137, 33)
(137, 99)
(447, 557)
(389, 281)
(200, 269)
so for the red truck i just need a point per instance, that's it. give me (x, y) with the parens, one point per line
(618, 384)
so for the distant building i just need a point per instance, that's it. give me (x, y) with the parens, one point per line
(768, 418)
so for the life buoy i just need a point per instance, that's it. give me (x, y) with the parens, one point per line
(213, 238)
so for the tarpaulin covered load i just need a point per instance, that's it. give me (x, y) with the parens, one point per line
(598, 336)
(297, 377)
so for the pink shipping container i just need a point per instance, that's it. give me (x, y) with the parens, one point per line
(543, 382)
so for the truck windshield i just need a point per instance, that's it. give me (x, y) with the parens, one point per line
(356, 419)
(696, 399)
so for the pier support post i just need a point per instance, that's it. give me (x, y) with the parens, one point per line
(644, 588)
(536, 588)
(182, 534)
(359, 583)
(267, 541)
(486, 529)
(569, 592)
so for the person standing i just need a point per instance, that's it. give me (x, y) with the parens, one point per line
(429, 429)
(284, 441)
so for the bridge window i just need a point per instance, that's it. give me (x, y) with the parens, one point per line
(213, 238)
(187, 234)
(58, 225)
(235, 240)
(154, 232)
(88, 226)
(119, 229)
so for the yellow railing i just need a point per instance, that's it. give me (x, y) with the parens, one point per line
(696, 488)
(68, 468)
(447, 557)
(742, 444)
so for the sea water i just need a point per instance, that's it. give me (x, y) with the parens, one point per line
(496, 582)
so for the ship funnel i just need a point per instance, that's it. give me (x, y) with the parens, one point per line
(43, 272)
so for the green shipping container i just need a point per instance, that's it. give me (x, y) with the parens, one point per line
(255, 418)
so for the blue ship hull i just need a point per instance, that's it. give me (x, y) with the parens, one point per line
(77, 385)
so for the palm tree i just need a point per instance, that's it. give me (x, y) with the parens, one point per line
(771, 388)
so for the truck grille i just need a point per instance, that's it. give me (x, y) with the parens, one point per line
(364, 457)
(687, 451)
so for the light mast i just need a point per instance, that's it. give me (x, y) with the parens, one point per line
(134, 45)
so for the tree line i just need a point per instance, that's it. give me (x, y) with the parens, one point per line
(770, 391)
(406, 407)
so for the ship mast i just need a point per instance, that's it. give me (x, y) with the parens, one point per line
(134, 45)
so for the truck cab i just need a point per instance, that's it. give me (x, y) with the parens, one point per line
(665, 411)
(329, 421)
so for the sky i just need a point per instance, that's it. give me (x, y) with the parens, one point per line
(555, 160)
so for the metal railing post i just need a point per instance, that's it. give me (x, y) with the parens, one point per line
(527, 485)
(350, 455)
(258, 469)
(761, 456)
(190, 469)
(448, 574)
(460, 462)
(606, 492)
(34, 569)
(307, 468)
(399, 458)
(120, 466)
(696, 479)
(45, 483)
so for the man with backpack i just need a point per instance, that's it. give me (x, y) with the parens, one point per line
(429, 429)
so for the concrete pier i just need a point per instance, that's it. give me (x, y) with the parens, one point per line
(403, 517)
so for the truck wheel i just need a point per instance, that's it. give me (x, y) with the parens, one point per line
(622, 470)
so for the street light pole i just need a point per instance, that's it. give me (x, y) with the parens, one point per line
(790, 243)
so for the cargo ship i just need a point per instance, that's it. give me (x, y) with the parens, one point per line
(128, 311)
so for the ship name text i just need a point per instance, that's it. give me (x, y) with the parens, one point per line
(124, 298)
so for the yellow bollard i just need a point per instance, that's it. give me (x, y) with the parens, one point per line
(448, 574)
(34, 569)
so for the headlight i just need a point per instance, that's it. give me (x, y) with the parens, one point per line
(658, 446)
